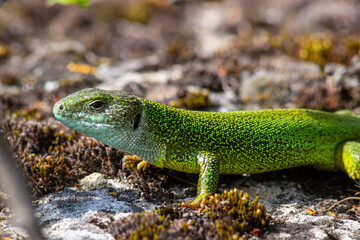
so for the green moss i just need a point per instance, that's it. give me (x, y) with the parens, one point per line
(315, 48)
(230, 215)
(320, 48)
(29, 113)
(139, 11)
(235, 213)
(169, 211)
(5, 51)
(140, 226)
(52, 158)
(195, 99)
(352, 46)
(8, 79)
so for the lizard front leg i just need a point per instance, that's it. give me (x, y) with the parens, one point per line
(208, 177)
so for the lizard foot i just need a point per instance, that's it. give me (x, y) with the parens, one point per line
(199, 201)
(133, 162)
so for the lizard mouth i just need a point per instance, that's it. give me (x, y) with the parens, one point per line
(82, 124)
(75, 124)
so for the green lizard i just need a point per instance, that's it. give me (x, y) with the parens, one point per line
(213, 143)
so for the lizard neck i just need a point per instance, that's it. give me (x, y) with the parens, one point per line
(145, 144)
(144, 140)
(158, 128)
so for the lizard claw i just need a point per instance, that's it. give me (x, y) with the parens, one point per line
(199, 201)
(143, 165)
(133, 162)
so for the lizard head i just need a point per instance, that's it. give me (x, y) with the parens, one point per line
(109, 116)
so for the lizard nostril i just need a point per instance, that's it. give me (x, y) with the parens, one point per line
(61, 107)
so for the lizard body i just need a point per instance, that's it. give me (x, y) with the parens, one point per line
(212, 143)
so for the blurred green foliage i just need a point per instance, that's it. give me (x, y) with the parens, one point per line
(80, 3)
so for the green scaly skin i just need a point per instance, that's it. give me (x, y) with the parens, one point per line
(212, 143)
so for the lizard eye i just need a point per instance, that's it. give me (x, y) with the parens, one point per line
(97, 105)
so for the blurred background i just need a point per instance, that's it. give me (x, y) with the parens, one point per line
(261, 54)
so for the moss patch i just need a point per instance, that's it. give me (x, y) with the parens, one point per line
(230, 215)
(51, 158)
